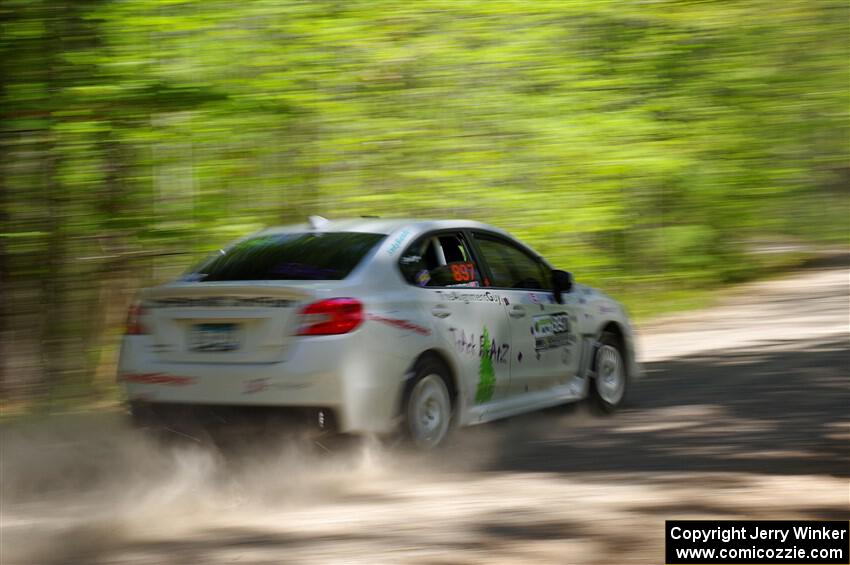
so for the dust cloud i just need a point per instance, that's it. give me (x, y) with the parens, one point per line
(78, 486)
(88, 489)
(84, 483)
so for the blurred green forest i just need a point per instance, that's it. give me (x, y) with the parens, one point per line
(647, 146)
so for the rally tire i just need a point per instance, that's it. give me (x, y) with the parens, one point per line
(427, 405)
(610, 384)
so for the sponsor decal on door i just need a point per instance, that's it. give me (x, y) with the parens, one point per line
(550, 331)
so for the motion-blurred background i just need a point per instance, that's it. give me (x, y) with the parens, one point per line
(658, 149)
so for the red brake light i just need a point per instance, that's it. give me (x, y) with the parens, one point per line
(134, 320)
(331, 317)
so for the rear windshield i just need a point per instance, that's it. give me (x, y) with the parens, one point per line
(289, 256)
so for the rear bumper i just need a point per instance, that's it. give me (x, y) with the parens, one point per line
(339, 374)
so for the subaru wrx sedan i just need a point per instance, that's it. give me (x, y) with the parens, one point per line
(375, 326)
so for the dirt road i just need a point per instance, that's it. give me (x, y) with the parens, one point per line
(744, 413)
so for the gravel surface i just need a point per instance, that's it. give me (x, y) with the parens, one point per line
(744, 412)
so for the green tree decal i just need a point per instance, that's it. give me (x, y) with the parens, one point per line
(486, 376)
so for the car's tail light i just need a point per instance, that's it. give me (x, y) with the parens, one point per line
(134, 320)
(331, 317)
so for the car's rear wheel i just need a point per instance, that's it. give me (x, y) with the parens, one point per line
(428, 406)
(610, 385)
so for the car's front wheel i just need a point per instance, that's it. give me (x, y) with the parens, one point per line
(611, 382)
(428, 406)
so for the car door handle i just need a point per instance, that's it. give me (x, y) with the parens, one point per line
(517, 312)
(441, 312)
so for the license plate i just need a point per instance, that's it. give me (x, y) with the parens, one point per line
(214, 337)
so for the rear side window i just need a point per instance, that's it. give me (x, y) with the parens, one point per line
(289, 256)
(439, 260)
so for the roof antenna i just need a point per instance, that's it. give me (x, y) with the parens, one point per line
(318, 222)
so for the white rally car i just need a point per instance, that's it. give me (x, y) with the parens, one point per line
(374, 326)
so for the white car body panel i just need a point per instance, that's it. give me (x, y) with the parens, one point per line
(361, 375)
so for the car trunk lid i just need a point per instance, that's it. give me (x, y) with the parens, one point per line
(225, 322)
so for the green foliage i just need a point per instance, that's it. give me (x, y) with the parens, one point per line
(639, 145)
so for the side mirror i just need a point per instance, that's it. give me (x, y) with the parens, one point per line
(562, 282)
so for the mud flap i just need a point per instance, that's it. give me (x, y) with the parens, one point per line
(589, 346)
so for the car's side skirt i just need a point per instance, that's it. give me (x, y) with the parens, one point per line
(574, 391)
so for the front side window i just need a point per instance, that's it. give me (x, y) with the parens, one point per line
(511, 267)
(440, 260)
(289, 256)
